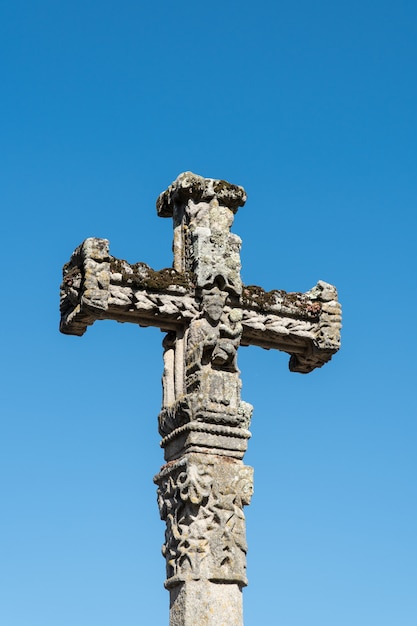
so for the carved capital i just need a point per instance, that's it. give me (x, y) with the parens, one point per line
(191, 186)
(201, 499)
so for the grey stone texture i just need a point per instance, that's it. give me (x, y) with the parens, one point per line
(203, 603)
(206, 313)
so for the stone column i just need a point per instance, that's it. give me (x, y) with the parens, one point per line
(204, 485)
(201, 498)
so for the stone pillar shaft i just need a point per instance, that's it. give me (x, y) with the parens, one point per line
(201, 498)
(205, 485)
(204, 603)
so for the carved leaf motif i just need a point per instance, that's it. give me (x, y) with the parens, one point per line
(244, 485)
(205, 537)
(194, 484)
(166, 497)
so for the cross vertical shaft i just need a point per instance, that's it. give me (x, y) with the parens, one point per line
(204, 485)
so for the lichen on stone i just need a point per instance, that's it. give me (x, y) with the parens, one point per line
(191, 186)
(70, 272)
(140, 275)
(256, 297)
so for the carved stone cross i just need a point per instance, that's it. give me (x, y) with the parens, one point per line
(206, 314)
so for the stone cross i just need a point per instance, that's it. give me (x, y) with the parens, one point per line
(206, 314)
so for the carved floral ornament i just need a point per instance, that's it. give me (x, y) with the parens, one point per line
(202, 505)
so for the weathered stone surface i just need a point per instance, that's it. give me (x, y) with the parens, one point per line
(97, 286)
(306, 325)
(189, 186)
(207, 314)
(201, 498)
(204, 603)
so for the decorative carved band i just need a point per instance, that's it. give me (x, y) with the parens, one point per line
(201, 498)
(200, 427)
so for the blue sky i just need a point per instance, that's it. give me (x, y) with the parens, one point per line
(311, 106)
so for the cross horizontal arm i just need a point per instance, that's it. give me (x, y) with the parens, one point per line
(98, 286)
(305, 325)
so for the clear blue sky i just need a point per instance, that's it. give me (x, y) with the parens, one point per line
(311, 106)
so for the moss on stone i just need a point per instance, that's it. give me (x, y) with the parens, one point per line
(234, 195)
(142, 276)
(252, 295)
(70, 271)
(256, 297)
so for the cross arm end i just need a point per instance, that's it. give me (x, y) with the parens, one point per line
(97, 285)
(325, 333)
(305, 325)
(84, 289)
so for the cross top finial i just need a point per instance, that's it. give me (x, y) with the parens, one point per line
(203, 210)
(191, 186)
